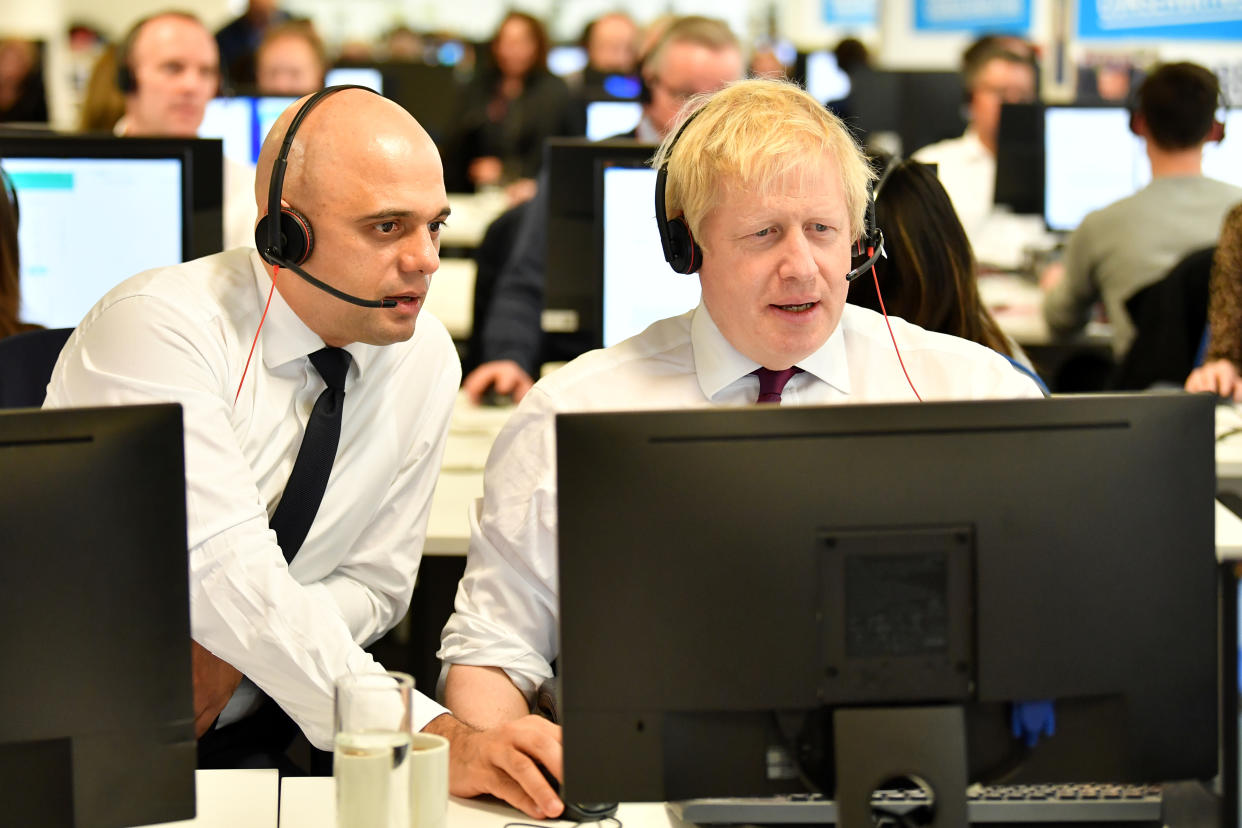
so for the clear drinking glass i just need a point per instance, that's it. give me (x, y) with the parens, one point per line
(372, 750)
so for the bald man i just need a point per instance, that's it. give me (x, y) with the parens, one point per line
(271, 637)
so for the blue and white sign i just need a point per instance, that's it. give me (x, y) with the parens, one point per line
(850, 12)
(1159, 19)
(1012, 16)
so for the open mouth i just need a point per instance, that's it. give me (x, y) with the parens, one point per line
(805, 306)
(403, 300)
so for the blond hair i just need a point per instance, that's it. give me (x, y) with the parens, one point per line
(752, 132)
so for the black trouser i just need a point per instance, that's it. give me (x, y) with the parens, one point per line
(257, 741)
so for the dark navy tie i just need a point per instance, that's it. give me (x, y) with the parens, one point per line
(772, 383)
(296, 511)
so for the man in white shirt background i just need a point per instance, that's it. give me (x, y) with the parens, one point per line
(168, 70)
(771, 191)
(289, 622)
(995, 70)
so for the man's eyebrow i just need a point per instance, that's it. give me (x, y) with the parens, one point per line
(397, 212)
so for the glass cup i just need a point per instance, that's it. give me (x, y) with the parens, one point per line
(372, 750)
(429, 772)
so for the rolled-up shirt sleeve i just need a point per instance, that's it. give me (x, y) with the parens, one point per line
(505, 613)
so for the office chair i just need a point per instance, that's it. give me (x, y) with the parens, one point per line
(1169, 317)
(26, 363)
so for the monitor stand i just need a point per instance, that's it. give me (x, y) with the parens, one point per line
(875, 746)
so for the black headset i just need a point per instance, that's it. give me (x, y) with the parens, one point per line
(288, 240)
(684, 255)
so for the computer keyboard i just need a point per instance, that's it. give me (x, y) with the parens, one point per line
(985, 804)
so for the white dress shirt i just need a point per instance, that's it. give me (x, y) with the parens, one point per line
(182, 334)
(506, 606)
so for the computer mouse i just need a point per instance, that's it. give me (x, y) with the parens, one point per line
(579, 811)
(493, 398)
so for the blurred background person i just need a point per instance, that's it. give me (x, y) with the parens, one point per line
(291, 60)
(611, 43)
(10, 265)
(404, 44)
(996, 69)
(103, 103)
(168, 70)
(507, 110)
(1221, 371)
(239, 40)
(928, 276)
(22, 96)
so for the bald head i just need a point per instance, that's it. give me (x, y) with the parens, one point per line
(330, 141)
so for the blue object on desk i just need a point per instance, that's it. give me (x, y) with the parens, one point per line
(1029, 720)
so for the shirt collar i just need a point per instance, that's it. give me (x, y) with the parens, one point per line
(285, 336)
(718, 364)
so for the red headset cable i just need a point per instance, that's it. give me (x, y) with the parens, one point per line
(255, 341)
(902, 362)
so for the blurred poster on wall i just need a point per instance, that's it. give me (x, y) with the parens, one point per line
(1010, 16)
(1160, 19)
(849, 12)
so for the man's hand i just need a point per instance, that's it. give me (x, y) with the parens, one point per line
(214, 683)
(501, 762)
(1220, 376)
(505, 374)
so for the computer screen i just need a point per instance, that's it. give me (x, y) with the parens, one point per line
(638, 285)
(96, 708)
(608, 119)
(735, 581)
(824, 79)
(368, 76)
(242, 122)
(920, 108)
(96, 210)
(1020, 158)
(1084, 175)
(571, 319)
(566, 60)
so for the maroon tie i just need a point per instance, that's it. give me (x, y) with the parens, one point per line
(772, 383)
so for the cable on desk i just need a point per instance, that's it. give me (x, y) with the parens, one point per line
(611, 822)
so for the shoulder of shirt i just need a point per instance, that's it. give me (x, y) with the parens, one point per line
(198, 289)
(666, 341)
(949, 146)
(865, 328)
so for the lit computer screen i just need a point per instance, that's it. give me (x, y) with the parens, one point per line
(825, 81)
(369, 76)
(607, 119)
(639, 286)
(242, 123)
(1093, 159)
(95, 211)
(566, 60)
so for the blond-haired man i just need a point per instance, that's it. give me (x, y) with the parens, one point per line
(774, 190)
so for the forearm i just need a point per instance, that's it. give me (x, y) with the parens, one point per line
(483, 696)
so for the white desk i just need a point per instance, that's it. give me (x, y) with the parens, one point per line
(471, 432)
(471, 215)
(309, 802)
(233, 799)
(1017, 304)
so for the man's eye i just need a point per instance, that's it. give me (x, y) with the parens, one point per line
(437, 226)
(764, 232)
(387, 226)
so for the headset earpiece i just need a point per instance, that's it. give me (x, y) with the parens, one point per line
(297, 239)
(681, 251)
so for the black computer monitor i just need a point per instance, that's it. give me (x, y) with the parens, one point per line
(571, 290)
(1020, 158)
(730, 577)
(95, 210)
(637, 287)
(919, 107)
(96, 708)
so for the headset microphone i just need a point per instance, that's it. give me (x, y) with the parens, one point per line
(873, 255)
(284, 237)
